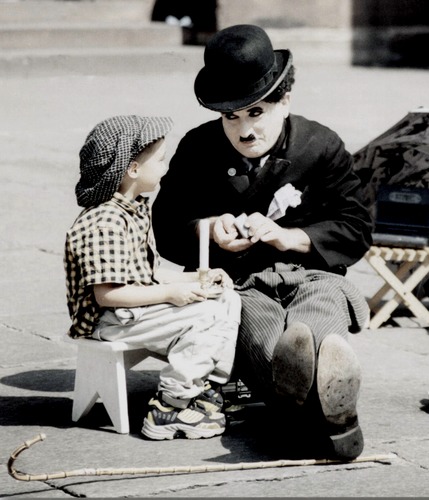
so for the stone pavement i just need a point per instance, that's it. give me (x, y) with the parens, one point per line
(43, 122)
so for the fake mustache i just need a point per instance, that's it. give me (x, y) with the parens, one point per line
(249, 138)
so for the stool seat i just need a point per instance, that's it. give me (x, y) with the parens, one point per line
(101, 373)
(412, 268)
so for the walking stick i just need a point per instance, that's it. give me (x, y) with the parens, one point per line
(187, 469)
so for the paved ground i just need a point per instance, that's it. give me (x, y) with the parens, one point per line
(43, 122)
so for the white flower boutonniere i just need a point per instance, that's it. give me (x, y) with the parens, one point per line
(285, 197)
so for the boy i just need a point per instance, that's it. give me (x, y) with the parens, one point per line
(116, 289)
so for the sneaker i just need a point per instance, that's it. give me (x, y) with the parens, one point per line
(338, 384)
(193, 422)
(211, 399)
(294, 363)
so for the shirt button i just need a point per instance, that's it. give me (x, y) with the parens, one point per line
(232, 172)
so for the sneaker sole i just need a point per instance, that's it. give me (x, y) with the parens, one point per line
(294, 362)
(161, 432)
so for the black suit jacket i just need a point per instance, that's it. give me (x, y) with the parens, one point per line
(207, 178)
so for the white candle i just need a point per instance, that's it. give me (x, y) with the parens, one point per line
(204, 243)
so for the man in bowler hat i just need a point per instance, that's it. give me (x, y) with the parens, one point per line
(285, 223)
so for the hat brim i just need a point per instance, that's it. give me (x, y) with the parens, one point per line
(205, 81)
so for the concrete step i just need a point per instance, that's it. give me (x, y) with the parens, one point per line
(60, 24)
(85, 35)
(309, 46)
(33, 12)
(266, 13)
(104, 36)
(100, 61)
(327, 46)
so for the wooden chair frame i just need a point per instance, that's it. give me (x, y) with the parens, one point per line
(412, 268)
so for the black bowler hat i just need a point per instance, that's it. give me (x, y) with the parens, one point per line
(241, 68)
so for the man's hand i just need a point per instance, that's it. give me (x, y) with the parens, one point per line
(262, 228)
(225, 234)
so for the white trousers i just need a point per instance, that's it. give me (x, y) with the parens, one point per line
(198, 340)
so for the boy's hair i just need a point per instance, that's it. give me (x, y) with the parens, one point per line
(108, 151)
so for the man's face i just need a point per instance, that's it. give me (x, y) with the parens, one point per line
(254, 131)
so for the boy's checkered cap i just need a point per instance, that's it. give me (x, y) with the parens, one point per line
(108, 151)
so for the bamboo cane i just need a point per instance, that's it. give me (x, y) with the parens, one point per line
(186, 469)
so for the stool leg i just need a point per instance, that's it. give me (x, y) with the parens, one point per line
(412, 302)
(101, 374)
(403, 290)
(400, 273)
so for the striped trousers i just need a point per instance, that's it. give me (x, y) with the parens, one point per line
(278, 296)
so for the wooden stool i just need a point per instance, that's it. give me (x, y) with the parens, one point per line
(413, 266)
(101, 373)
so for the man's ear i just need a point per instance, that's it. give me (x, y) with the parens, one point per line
(285, 101)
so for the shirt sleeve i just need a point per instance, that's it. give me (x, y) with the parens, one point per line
(104, 257)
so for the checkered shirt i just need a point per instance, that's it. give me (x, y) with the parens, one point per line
(110, 243)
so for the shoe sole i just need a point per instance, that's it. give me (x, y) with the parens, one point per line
(348, 445)
(294, 362)
(172, 431)
(338, 380)
(338, 385)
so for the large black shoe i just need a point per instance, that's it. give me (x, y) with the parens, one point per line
(294, 363)
(338, 385)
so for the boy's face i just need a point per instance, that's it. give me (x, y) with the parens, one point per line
(151, 166)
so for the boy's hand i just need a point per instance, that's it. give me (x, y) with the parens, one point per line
(184, 293)
(218, 276)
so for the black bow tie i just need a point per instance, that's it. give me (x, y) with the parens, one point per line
(251, 164)
(242, 180)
